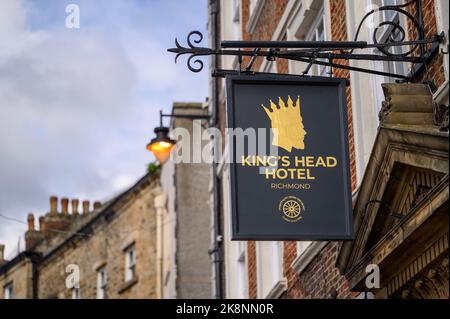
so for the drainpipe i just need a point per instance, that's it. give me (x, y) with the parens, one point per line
(34, 260)
(216, 252)
(35, 279)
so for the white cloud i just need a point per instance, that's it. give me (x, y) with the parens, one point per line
(122, 182)
(76, 110)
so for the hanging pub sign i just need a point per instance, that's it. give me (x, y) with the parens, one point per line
(289, 161)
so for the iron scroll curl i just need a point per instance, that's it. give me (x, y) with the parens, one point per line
(193, 39)
(396, 27)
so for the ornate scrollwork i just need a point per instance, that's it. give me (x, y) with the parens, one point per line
(193, 38)
(397, 33)
(329, 53)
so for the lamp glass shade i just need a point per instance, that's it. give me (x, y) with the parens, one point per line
(161, 145)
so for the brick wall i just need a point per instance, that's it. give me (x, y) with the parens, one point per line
(299, 286)
(436, 65)
(321, 279)
(339, 33)
(251, 263)
(265, 27)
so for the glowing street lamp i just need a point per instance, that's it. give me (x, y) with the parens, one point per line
(162, 144)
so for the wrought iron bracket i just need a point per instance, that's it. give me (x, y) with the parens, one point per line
(333, 54)
(183, 116)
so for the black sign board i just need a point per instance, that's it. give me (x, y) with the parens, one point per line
(289, 162)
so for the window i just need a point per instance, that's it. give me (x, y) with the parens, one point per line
(242, 270)
(130, 263)
(318, 33)
(308, 23)
(255, 10)
(76, 293)
(390, 33)
(236, 272)
(102, 280)
(384, 34)
(8, 291)
(236, 19)
(252, 6)
(389, 15)
(269, 264)
(441, 9)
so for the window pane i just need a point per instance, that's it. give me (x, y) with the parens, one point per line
(389, 14)
(320, 31)
(76, 294)
(130, 262)
(317, 33)
(8, 291)
(391, 2)
(101, 283)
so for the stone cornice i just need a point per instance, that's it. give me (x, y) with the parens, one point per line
(278, 289)
(400, 233)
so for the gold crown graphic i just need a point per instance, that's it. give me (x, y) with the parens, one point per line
(287, 124)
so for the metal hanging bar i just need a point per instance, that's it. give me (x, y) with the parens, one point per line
(294, 44)
(326, 52)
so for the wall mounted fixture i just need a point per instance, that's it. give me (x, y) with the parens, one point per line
(162, 144)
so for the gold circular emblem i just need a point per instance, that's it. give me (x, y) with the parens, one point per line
(291, 207)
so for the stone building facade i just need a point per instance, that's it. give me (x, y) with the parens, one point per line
(408, 122)
(105, 252)
(185, 213)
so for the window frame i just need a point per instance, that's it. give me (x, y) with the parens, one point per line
(302, 246)
(235, 251)
(236, 19)
(130, 262)
(102, 282)
(242, 269)
(76, 293)
(236, 11)
(8, 290)
(254, 13)
(387, 66)
(269, 276)
(252, 5)
(303, 26)
(312, 35)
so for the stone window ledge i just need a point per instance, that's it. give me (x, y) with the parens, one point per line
(256, 13)
(127, 285)
(278, 289)
(303, 260)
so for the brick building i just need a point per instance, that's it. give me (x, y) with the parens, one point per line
(398, 153)
(112, 247)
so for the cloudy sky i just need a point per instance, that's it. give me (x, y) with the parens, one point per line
(78, 106)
